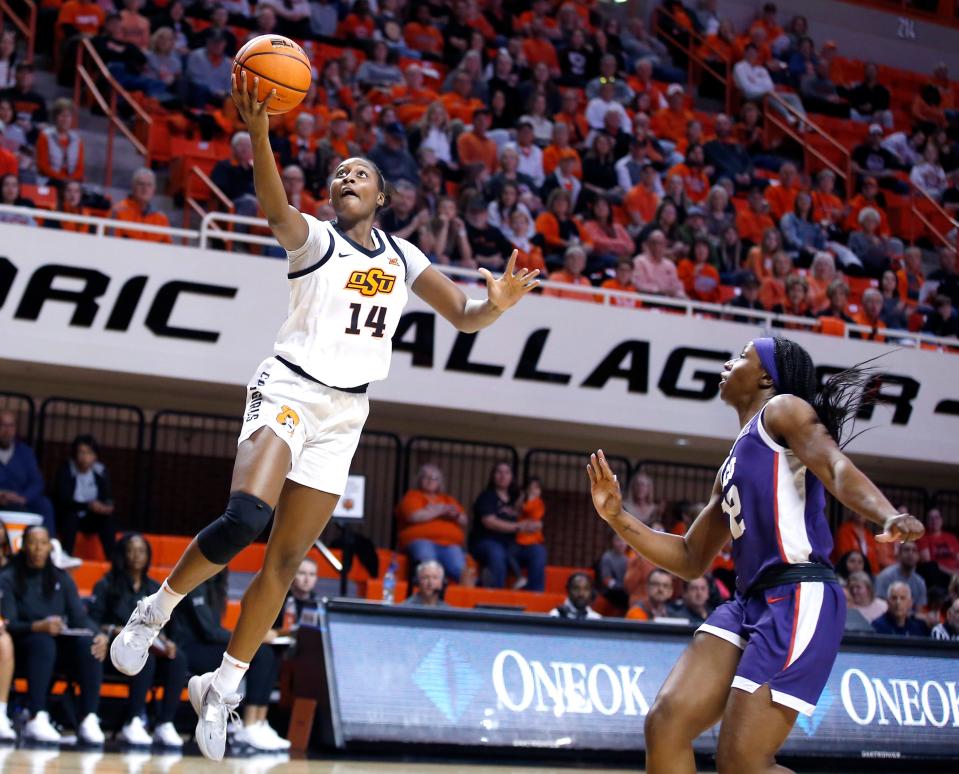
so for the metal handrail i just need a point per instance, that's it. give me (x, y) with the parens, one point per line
(210, 229)
(198, 208)
(27, 28)
(775, 118)
(84, 77)
(692, 54)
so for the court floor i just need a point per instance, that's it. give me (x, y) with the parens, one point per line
(23, 761)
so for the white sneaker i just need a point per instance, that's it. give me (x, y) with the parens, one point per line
(214, 712)
(90, 732)
(165, 735)
(279, 743)
(135, 733)
(131, 646)
(39, 729)
(260, 737)
(7, 734)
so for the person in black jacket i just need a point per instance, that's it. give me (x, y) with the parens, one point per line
(112, 602)
(83, 497)
(203, 640)
(50, 629)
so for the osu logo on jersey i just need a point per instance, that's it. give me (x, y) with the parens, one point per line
(371, 282)
(288, 418)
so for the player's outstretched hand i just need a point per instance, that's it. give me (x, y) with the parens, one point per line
(507, 290)
(903, 528)
(604, 486)
(252, 111)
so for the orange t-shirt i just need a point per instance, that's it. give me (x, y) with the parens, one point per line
(473, 150)
(440, 531)
(751, 225)
(533, 510)
(826, 207)
(860, 318)
(130, 212)
(540, 51)
(781, 199)
(851, 537)
(669, 124)
(460, 107)
(697, 183)
(918, 281)
(689, 272)
(637, 613)
(411, 104)
(530, 259)
(772, 291)
(642, 201)
(423, 37)
(355, 27)
(568, 279)
(629, 303)
(551, 161)
(86, 18)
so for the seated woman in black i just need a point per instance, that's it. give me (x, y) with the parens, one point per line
(203, 640)
(114, 598)
(51, 630)
(83, 497)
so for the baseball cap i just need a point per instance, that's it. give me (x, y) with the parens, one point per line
(339, 115)
(695, 210)
(568, 153)
(674, 88)
(875, 129)
(396, 129)
(750, 279)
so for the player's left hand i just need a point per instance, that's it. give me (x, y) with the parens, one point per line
(508, 289)
(903, 527)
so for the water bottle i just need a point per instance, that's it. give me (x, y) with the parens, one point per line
(289, 614)
(389, 582)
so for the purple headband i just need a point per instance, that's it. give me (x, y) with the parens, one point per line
(766, 349)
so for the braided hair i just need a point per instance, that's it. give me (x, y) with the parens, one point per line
(837, 400)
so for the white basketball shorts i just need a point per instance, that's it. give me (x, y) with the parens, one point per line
(321, 425)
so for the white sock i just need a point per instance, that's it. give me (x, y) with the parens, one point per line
(226, 679)
(3, 708)
(166, 599)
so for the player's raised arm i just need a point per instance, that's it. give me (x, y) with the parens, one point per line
(288, 224)
(467, 315)
(687, 556)
(794, 421)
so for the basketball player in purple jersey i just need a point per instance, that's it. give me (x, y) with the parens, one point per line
(776, 640)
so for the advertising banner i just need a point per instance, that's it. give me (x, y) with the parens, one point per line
(481, 679)
(207, 316)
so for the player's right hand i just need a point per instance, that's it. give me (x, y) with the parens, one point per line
(903, 527)
(251, 110)
(604, 486)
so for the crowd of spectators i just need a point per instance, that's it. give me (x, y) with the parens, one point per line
(47, 629)
(542, 127)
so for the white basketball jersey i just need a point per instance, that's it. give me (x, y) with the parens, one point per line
(345, 304)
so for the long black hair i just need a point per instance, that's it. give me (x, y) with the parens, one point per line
(21, 569)
(837, 400)
(119, 573)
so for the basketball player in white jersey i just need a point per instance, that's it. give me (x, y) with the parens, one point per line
(306, 404)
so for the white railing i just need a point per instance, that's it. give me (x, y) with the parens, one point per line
(211, 229)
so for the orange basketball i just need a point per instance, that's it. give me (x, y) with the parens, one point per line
(280, 64)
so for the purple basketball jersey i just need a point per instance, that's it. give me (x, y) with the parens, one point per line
(776, 507)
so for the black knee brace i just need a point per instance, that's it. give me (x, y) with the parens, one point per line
(244, 520)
